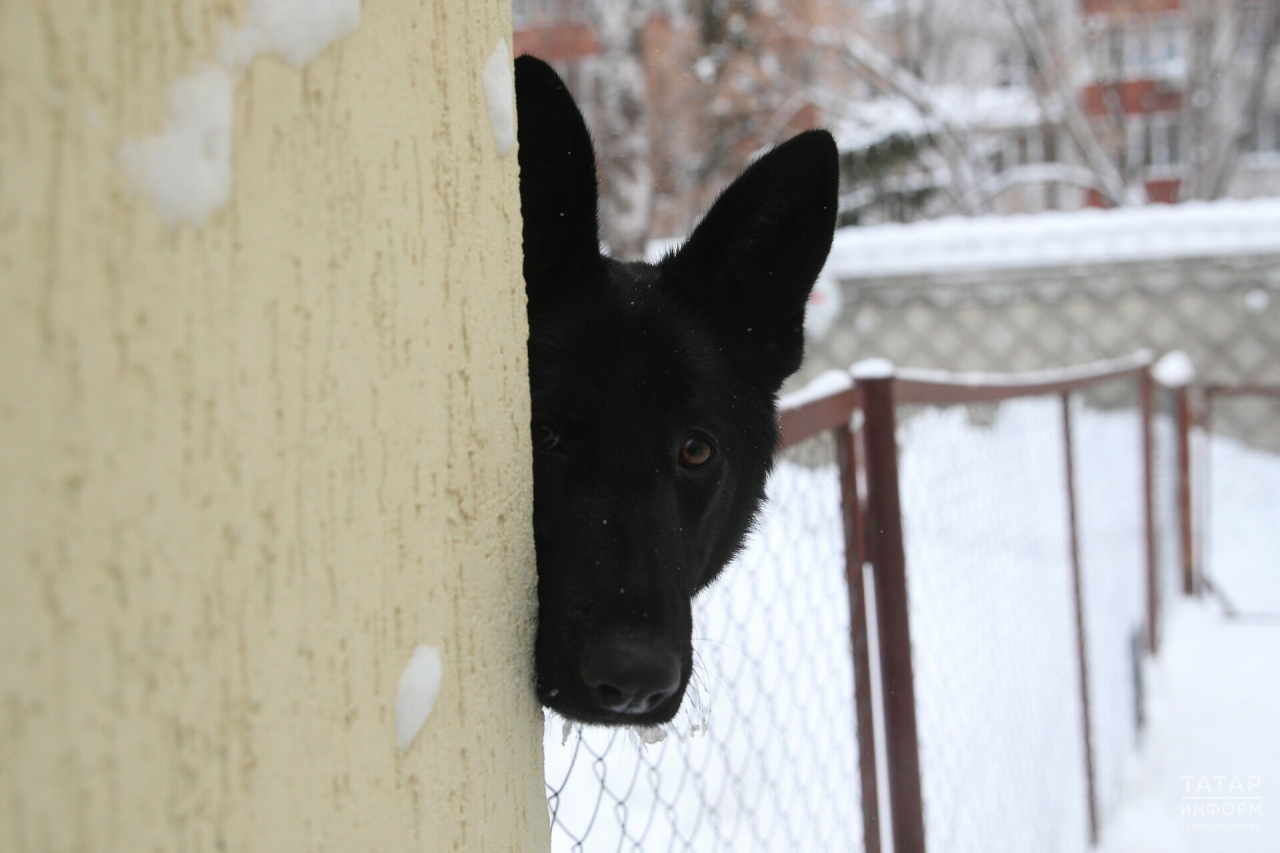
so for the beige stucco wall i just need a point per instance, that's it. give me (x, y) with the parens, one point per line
(246, 468)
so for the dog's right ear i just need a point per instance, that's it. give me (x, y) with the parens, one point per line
(751, 262)
(558, 193)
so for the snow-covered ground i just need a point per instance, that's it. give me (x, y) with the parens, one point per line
(765, 755)
(1243, 538)
(1208, 777)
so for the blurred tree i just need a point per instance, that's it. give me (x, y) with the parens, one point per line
(1133, 84)
(876, 182)
(621, 125)
(1233, 47)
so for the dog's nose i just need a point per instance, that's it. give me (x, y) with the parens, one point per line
(628, 677)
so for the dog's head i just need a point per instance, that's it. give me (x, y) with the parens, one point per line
(654, 402)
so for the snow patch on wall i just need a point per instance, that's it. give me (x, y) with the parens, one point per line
(186, 167)
(294, 30)
(416, 696)
(497, 76)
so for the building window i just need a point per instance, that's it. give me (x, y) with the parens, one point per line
(1004, 68)
(1013, 68)
(1169, 41)
(1049, 143)
(1160, 140)
(1252, 142)
(1115, 43)
(1265, 137)
(1250, 22)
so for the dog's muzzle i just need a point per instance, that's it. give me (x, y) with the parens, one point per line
(625, 676)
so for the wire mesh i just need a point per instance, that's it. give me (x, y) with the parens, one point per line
(1241, 501)
(762, 756)
(1107, 445)
(993, 631)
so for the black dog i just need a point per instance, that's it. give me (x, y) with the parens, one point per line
(654, 402)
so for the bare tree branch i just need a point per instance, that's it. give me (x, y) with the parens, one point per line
(1257, 89)
(1042, 173)
(626, 196)
(951, 143)
(1054, 89)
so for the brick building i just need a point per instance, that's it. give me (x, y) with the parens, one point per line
(725, 79)
(720, 84)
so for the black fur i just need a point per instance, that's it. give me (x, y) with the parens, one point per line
(627, 362)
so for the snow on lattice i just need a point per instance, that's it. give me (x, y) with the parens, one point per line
(1076, 238)
(1011, 380)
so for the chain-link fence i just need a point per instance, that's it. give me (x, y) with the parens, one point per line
(984, 506)
(1107, 445)
(1240, 496)
(1025, 572)
(1028, 568)
(762, 756)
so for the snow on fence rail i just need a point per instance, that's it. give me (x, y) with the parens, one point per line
(935, 633)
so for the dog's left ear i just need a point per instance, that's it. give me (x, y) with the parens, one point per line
(750, 263)
(557, 186)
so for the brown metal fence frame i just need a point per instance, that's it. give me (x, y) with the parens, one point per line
(868, 461)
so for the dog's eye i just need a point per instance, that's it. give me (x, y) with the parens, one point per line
(696, 451)
(544, 436)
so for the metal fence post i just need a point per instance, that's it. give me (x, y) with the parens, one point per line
(888, 559)
(1182, 400)
(854, 546)
(1082, 646)
(1146, 393)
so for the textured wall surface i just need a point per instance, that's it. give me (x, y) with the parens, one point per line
(246, 468)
